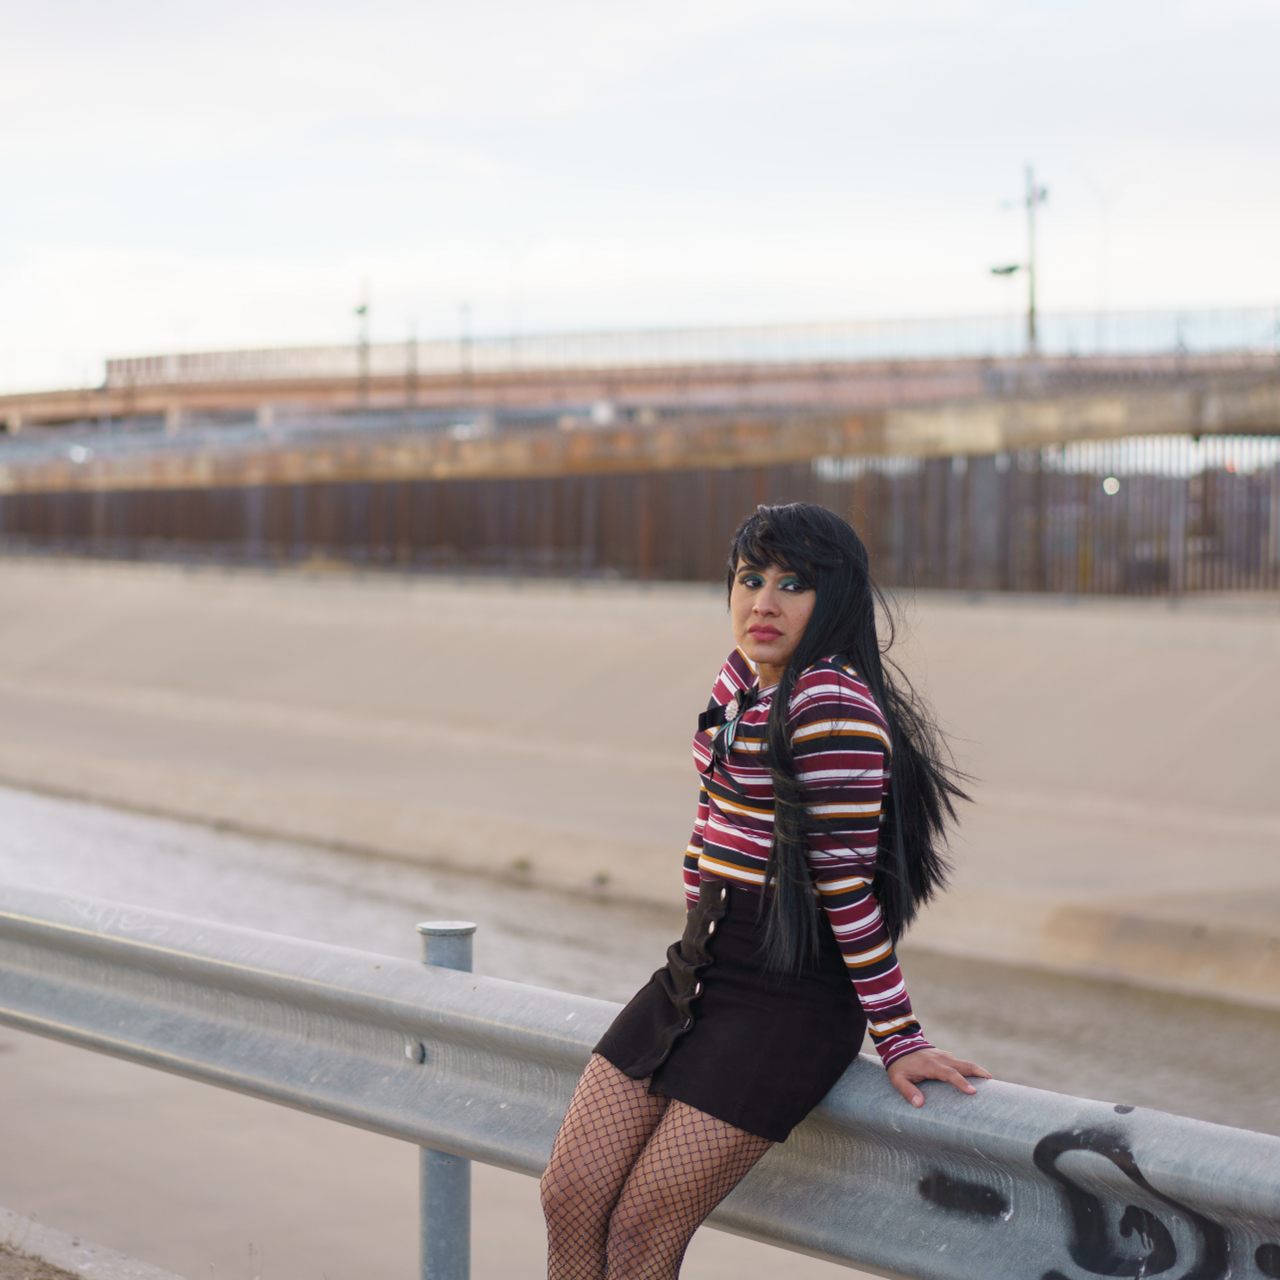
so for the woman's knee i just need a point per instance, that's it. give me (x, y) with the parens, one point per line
(560, 1190)
(571, 1198)
(642, 1230)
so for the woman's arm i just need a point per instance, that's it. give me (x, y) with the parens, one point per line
(872, 964)
(692, 875)
(840, 743)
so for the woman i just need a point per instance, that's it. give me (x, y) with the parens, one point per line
(825, 790)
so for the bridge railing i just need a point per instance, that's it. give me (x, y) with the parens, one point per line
(1012, 1182)
(1119, 333)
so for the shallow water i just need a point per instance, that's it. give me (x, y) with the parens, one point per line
(1208, 1059)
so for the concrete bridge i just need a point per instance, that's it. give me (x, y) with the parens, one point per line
(635, 392)
(708, 418)
(644, 375)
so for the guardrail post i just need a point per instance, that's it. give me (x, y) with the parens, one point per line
(445, 1181)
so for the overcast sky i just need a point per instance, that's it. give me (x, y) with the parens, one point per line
(192, 176)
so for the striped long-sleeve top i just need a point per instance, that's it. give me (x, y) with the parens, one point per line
(840, 742)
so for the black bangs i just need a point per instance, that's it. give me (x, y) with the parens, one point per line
(758, 558)
(788, 537)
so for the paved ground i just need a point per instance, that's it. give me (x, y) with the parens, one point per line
(1124, 753)
(33, 1250)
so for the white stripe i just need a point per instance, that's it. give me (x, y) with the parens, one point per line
(874, 774)
(884, 1028)
(855, 728)
(728, 868)
(867, 925)
(889, 998)
(762, 838)
(841, 886)
(866, 957)
(836, 809)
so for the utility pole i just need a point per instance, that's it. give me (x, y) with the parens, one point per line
(464, 349)
(362, 353)
(1035, 196)
(411, 368)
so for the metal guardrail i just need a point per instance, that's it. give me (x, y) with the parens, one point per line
(1008, 1184)
(966, 337)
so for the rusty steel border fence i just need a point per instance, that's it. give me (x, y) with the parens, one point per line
(1143, 516)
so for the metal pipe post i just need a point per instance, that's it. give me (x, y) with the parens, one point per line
(447, 943)
(444, 1187)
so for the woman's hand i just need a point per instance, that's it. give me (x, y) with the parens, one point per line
(932, 1064)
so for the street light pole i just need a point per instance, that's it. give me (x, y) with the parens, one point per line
(411, 368)
(1035, 196)
(362, 353)
(464, 349)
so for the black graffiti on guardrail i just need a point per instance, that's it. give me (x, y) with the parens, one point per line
(1090, 1245)
(949, 1192)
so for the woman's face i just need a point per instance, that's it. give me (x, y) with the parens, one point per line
(770, 608)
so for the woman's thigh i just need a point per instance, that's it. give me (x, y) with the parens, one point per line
(692, 1162)
(608, 1123)
(688, 1166)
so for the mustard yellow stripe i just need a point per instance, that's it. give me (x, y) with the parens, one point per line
(884, 1028)
(833, 888)
(706, 862)
(727, 806)
(840, 729)
(865, 958)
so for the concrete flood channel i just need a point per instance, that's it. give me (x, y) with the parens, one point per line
(517, 754)
(1209, 1059)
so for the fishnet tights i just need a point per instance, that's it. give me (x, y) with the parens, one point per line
(632, 1177)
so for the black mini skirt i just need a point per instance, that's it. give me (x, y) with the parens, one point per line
(714, 1030)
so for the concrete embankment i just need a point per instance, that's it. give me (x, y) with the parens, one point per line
(31, 1251)
(1126, 819)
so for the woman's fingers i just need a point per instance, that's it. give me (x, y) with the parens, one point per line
(907, 1088)
(942, 1071)
(966, 1068)
(933, 1064)
(972, 1069)
(952, 1076)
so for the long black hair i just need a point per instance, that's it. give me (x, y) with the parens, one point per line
(828, 556)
